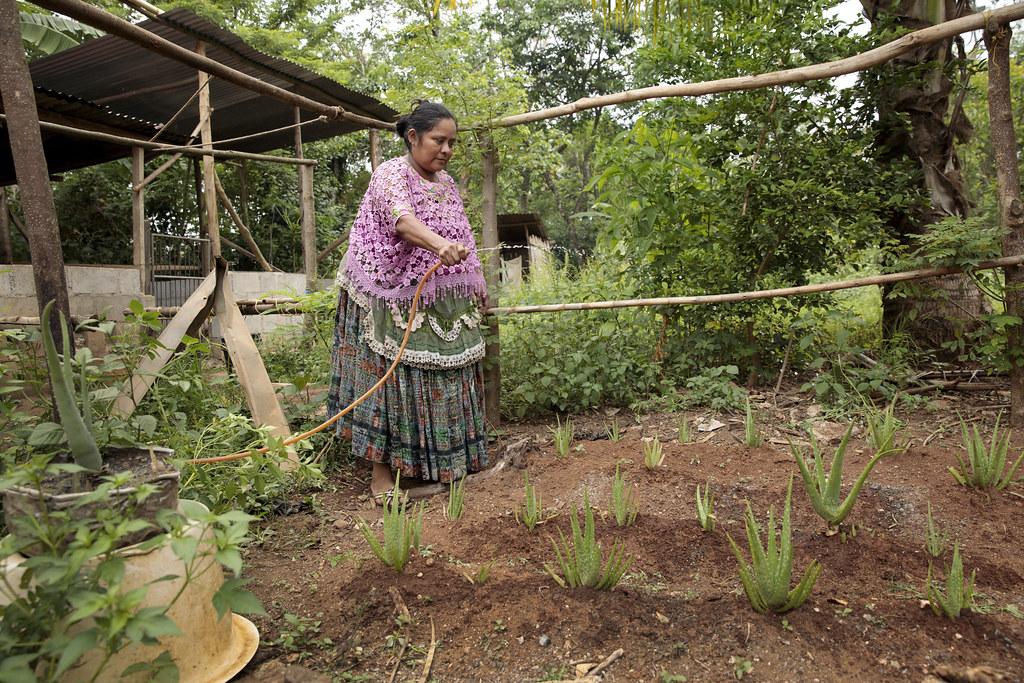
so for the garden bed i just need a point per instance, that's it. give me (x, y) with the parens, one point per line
(680, 611)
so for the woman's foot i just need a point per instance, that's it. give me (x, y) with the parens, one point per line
(381, 482)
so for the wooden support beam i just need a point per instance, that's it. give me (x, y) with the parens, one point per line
(204, 249)
(255, 252)
(6, 252)
(307, 211)
(209, 164)
(1011, 209)
(31, 170)
(374, 149)
(140, 238)
(492, 270)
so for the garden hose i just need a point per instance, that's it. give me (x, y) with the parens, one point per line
(334, 418)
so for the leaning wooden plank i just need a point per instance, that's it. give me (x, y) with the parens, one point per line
(187, 320)
(249, 368)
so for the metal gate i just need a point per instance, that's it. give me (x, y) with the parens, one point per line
(179, 264)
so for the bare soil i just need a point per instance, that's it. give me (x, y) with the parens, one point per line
(681, 610)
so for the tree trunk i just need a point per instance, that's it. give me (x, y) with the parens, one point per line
(30, 168)
(1011, 211)
(915, 123)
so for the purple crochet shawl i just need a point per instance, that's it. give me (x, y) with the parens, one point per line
(381, 264)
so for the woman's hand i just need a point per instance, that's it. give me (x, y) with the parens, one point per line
(452, 253)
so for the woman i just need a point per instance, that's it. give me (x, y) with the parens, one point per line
(427, 421)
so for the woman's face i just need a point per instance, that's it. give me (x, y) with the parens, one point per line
(433, 149)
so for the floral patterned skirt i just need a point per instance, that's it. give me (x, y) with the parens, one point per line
(424, 423)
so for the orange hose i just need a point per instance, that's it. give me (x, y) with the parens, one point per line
(369, 392)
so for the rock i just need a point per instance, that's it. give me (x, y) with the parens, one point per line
(709, 425)
(544, 640)
(827, 432)
(276, 671)
(975, 674)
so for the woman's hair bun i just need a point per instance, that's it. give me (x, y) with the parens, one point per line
(423, 117)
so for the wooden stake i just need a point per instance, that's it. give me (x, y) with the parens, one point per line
(307, 211)
(140, 237)
(492, 270)
(430, 654)
(1011, 210)
(209, 164)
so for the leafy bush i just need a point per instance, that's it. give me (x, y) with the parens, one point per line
(580, 558)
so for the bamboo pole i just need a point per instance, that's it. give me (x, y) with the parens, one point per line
(163, 147)
(492, 270)
(1011, 210)
(140, 254)
(839, 67)
(109, 23)
(255, 252)
(307, 210)
(703, 299)
(209, 163)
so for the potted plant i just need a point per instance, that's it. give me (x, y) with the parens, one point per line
(149, 466)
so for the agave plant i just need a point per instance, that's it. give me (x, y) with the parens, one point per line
(824, 490)
(766, 579)
(579, 558)
(402, 530)
(959, 593)
(984, 466)
(77, 425)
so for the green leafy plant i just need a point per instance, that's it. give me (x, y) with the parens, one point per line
(751, 436)
(824, 490)
(483, 574)
(614, 432)
(766, 579)
(684, 430)
(882, 427)
(935, 538)
(580, 557)
(959, 593)
(985, 465)
(562, 435)
(706, 508)
(299, 634)
(530, 513)
(654, 454)
(624, 505)
(456, 496)
(402, 529)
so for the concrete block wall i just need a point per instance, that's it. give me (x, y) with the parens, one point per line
(93, 290)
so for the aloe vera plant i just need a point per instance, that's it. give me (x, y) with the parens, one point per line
(882, 427)
(654, 454)
(624, 505)
(766, 579)
(985, 465)
(530, 513)
(751, 436)
(935, 538)
(824, 490)
(77, 425)
(562, 434)
(959, 593)
(684, 431)
(456, 496)
(706, 508)
(580, 557)
(402, 529)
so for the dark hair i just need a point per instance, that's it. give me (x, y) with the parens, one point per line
(424, 116)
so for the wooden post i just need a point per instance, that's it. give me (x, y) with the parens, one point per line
(30, 168)
(307, 211)
(5, 228)
(140, 237)
(209, 163)
(1011, 210)
(205, 262)
(374, 149)
(492, 270)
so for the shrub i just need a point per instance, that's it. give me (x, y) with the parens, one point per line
(984, 466)
(580, 558)
(766, 579)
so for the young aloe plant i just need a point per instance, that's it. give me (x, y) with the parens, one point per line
(562, 435)
(580, 561)
(614, 431)
(456, 496)
(766, 579)
(684, 431)
(984, 466)
(824, 491)
(654, 455)
(530, 513)
(77, 428)
(935, 538)
(624, 505)
(706, 508)
(959, 593)
(401, 531)
(882, 427)
(751, 436)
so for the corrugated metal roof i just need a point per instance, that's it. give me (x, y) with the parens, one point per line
(133, 86)
(512, 225)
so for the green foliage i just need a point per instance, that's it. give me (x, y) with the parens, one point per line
(562, 435)
(483, 574)
(959, 592)
(935, 538)
(824, 491)
(883, 426)
(580, 557)
(75, 597)
(654, 454)
(684, 430)
(614, 433)
(751, 436)
(766, 579)
(532, 510)
(402, 530)
(45, 34)
(985, 465)
(624, 504)
(299, 634)
(706, 508)
(456, 495)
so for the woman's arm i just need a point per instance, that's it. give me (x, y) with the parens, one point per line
(413, 231)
